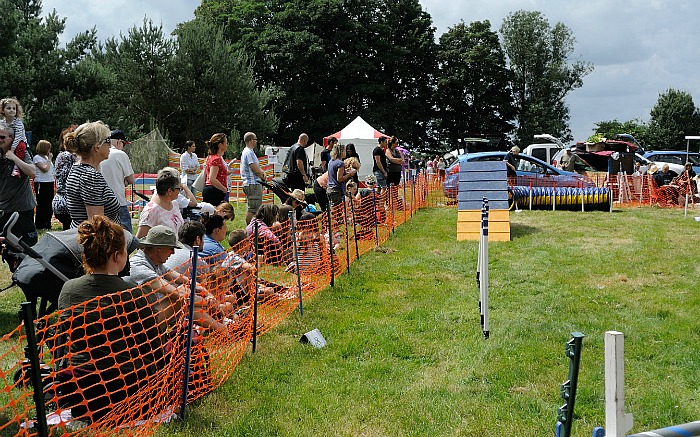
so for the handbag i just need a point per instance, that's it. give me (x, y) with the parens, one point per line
(198, 183)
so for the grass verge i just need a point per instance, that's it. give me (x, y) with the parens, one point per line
(406, 356)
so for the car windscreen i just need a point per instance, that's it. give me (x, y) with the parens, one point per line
(528, 166)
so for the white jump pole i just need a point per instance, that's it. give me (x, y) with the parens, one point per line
(484, 282)
(617, 421)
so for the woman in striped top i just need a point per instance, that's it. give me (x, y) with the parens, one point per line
(87, 192)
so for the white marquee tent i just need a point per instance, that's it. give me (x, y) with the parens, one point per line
(364, 137)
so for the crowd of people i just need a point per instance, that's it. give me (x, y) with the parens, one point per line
(84, 188)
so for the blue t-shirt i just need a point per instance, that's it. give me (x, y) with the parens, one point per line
(333, 167)
(210, 248)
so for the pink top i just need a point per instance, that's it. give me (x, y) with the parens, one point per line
(154, 214)
(323, 180)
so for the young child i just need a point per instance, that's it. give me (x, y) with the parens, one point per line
(312, 251)
(12, 113)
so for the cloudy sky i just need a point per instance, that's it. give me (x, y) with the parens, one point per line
(640, 48)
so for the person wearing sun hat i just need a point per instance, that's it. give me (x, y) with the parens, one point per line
(371, 182)
(149, 262)
(169, 286)
(297, 200)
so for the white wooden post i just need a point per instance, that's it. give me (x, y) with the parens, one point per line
(617, 422)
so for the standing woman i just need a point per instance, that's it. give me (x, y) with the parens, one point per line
(64, 162)
(216, 170)
(87, 192)
(338, 175)
(350, 152)
(395, 162)
(43, 184)
(189, 164)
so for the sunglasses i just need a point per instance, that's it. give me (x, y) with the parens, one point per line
(2, 137)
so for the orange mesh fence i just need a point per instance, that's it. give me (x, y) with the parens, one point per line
(115, 364)
(644, 190)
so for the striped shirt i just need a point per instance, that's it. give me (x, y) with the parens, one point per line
(86, 186)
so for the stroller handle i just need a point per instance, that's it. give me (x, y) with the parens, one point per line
(17, 243)
(22, 246)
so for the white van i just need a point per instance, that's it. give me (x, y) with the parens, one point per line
(545, 151)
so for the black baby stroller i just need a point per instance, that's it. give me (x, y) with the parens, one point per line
(44, 267)
(281, 190)
(41, 270)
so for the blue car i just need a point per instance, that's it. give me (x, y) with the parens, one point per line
(674, 157)
(530, 171)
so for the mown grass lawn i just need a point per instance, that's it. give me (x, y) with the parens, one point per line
(406, 355)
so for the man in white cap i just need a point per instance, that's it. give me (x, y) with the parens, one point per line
(569, 160)
(118, 173)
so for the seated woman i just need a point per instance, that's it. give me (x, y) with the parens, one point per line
(115, 344)
(215, 232)
(270, 244)
(186, 200)
(162, 209)
(686, 181)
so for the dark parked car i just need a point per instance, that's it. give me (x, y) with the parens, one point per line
(530, 171)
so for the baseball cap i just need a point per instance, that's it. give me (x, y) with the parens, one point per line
(161, 236)
(119, 135)
(572, 148)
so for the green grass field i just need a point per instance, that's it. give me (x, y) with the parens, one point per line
(406, 355)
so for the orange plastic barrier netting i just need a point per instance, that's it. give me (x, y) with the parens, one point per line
(643, 190)
(116, 363)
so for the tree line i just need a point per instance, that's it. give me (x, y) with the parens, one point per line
(284, 67)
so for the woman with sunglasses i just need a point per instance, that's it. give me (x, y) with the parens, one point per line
(163, 208)
(87, 192)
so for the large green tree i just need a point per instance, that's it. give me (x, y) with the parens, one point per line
(332, 60)
(672, 118)
(142, 91)
(46, 79)
(213, 88)
(473, 83)
(539, 57)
